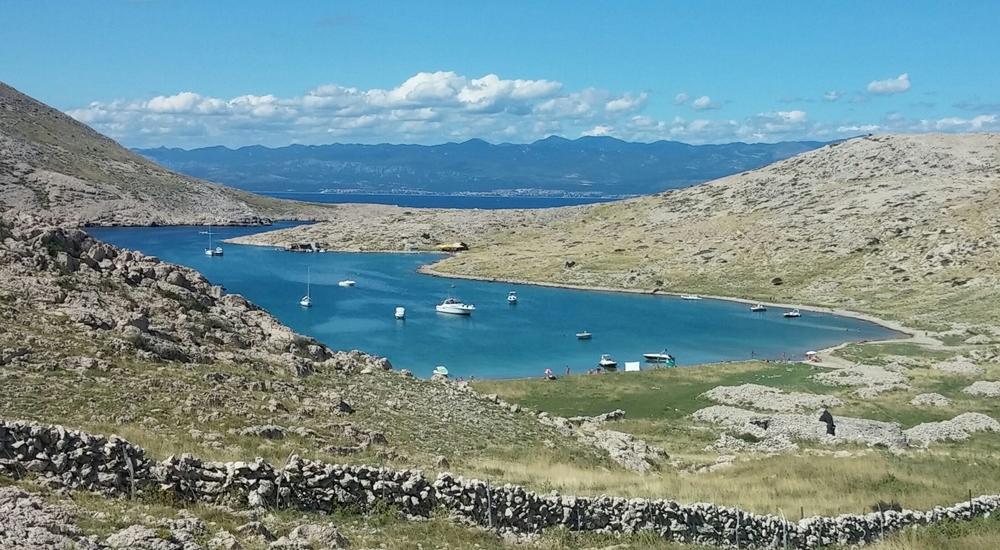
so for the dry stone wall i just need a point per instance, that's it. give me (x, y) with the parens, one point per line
(74, 459)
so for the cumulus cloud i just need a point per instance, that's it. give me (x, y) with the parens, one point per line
(704, 103)
(599, 130)
(890, 86)
(432, 107)
(426, 107)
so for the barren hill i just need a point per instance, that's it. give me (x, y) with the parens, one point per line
(901, 226)
(53, 165)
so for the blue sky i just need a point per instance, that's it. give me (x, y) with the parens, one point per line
(185, 73)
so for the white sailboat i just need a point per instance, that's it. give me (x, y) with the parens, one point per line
(347, 283)
(306, 300)
(512, 297)
(217, 251)
(400, 313)
(793, 313)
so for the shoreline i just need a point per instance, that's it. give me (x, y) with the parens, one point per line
(907, 334)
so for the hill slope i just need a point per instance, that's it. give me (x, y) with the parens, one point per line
(898, 226)
(589, 165)
(55, 166)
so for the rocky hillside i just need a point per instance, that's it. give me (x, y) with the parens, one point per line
(55, 166)
(898, 226)
(98, 337)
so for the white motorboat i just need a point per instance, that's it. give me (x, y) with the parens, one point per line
(306, 300)
(512, 297)
(347, 283)
(400, 312)
(209, 251)
(690, 297)
(584, 335)
(662, 357)
(792, 313)
(757, 308)
(607, 362)
(455, 307)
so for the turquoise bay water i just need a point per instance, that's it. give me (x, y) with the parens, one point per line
(498, 340)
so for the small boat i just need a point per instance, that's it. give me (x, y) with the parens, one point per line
(512, 297)
(455, 307)
(440, 370)
(209, 251)
(607, 362)
(792, 313)
(690, 297)
(400, 312)
(584, 335)
(306, 300)
(347, 283)
(758, 308)
(662, 357)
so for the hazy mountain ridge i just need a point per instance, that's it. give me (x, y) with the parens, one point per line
(588, 165)
(52, 165)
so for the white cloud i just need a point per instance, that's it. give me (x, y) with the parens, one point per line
(426, 107)
(703, 103)
(432, 107)
(599, 130)
(626, 103)
(832, 95)
(889, 86)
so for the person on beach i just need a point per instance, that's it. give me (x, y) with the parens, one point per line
(567, 370)
(549, 375)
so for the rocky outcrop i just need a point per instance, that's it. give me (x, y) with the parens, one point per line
(156, 310)
(310, 485)
(756, 396)
(780, 431)
(28, 521)
(930, 400)
(624, 448)
(959, 428)
(983, 388)
(870, 379)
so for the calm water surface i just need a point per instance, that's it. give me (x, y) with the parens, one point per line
(440, 201)
(498, 340)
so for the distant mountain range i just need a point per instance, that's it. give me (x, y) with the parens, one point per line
(597, 166)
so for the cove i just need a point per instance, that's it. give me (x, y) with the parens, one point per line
(498, 340)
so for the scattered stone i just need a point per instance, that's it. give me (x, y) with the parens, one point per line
(28, 521)
(140, 537)
(224, 540)
(310, 536)
(983, 388)
(760, 397)
(625, 449)
(959, 365)
(956, 429)
(873, 379)
(930, 400)
(783, 428)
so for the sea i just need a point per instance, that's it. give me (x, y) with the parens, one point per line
(498, 340)
(485, 202)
